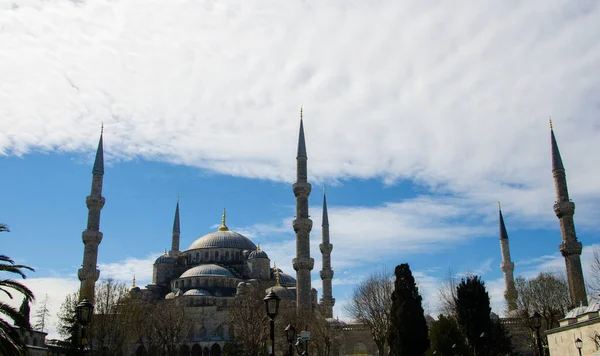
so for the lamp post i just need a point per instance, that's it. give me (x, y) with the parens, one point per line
(290, 335)
(272, 305)
(84, 310)
(536, 322)
(579, 345)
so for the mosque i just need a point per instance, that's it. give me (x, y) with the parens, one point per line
(218, 267)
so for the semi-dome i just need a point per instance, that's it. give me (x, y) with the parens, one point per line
(286, 279)
(165, 259)
(223, 239)
(197, 292)
(207, 270)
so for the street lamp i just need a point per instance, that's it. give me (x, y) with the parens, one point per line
(536, 322)
(84, 310)
(579, 345)
(272, 305)
(290, 335)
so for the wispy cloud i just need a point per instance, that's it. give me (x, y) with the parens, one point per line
(391, 90)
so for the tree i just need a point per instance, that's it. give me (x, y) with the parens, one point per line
(447, 295)
(42, 315)
(446, 338)
(10, 341)
(473, 310)
(172, 325)
(249, 333)
(548, 294)
(24, 310)
(67, 326)
(371, 304)
(108, 329)
(408, 329)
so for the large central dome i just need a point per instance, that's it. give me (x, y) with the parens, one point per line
(223, 239)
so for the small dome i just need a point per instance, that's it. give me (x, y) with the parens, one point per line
(165, 259)
(207, 270)
(257, 254)
(223, 239)
(281, 292)
(197, 292)
(170, 295)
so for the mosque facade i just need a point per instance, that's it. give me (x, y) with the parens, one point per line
(220, 266)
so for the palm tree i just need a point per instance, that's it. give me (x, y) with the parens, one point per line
(10, 341)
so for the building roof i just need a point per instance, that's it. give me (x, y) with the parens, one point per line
(165, 259)
(207, 270)
(223, 239)
(257, 254)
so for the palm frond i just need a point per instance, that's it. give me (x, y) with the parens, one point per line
(4, 228)
(19, 287)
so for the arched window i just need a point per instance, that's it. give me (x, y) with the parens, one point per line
(184, 350)
(217, 255)
(215, 350)
(189, 282)
(360, 349)
(196, 350)
(197, 257)
(202, 332)
(237, 255)
(206, 351)
(34, 343)
(141, 351)
(197, 282)
(176, 284)
(219, 332)
(26, 340)
(226, 255)
(206, 255)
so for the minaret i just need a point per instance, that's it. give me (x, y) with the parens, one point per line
(303, 264)
(564, 209)
(507, 266)
(326, 273)
(175, 239)
(88, 273)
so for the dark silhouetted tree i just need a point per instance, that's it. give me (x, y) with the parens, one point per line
(473, 311)
(407, 335)
(446, 338)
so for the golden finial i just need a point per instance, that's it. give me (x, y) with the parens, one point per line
(165, 252)
(101, 128)
(133, 282)
(301, 113)
(258, 247)
(224, 227)
(499, 208)
(276, 275)
(550, 122)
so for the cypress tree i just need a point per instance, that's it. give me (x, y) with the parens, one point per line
(408, 329)
(24, 310)
(473, 309)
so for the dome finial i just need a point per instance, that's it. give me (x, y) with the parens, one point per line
(258, 247)
(277, 284)
(165, 252)
(499, 207)
(133, 282)
(224, 227)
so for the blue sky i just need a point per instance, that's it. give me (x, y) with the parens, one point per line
(416, 122)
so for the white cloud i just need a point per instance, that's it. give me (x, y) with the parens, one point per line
(452, 96)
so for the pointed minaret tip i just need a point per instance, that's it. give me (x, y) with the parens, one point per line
(176, 224)
(550, 120)
(325, 221)
(556, 158)
(499, 207)
(99, 161)
(503, 233)
(223, 226)
(301, 141)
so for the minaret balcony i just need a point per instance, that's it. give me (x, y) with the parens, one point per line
(564, 208)
(91, 237)
(302, 189)
(326, 274)
(570, 248)
(88, 275)
(326, 249)
(95, 203)
(302, 225)
(303, 263)
(507, 266)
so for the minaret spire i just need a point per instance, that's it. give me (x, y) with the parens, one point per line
(507, 266)
(176, 232)
(224, 227)
(303, 263)
(327, 302)
(88, 273)
(564, 209)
